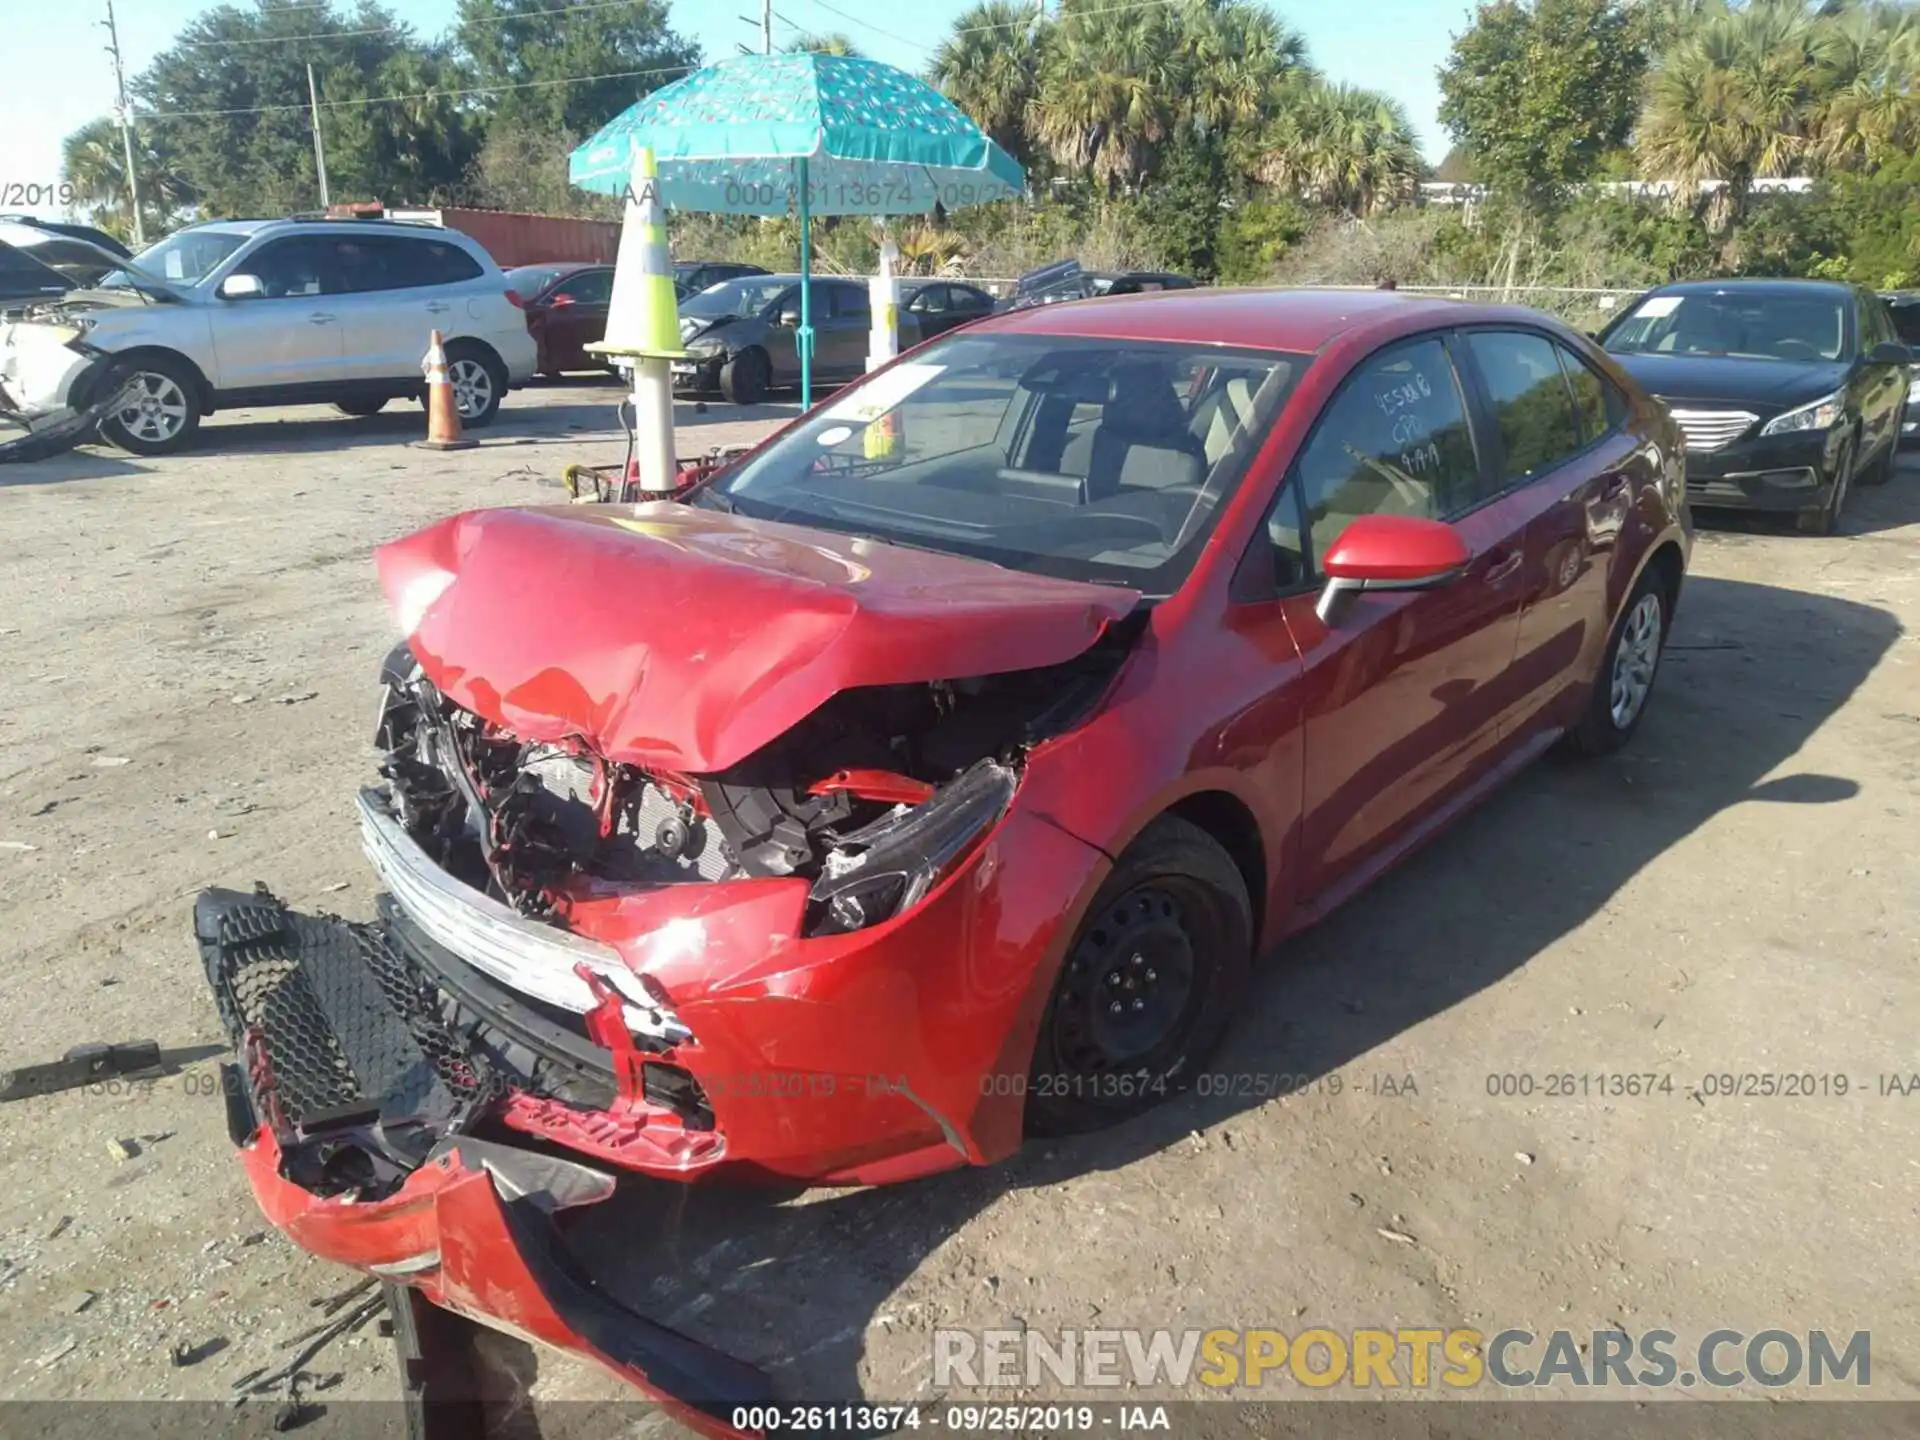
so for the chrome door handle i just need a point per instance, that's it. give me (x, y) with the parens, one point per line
(1503, 567)
(320, 318)
(438, 307)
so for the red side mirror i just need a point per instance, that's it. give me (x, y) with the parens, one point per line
(1389, 552)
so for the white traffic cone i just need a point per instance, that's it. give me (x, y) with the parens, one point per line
(643, 323)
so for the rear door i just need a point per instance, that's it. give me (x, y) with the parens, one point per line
(841, 346)
(289, 335)
(1403, 694)
(1566, 473)
(398, 290)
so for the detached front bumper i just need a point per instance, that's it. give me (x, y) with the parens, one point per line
(47, 393)
(353, 1103)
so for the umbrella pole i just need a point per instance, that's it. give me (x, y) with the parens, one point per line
(803, 338)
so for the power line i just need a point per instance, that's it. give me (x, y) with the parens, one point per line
(1073, 14)
(420, 95)
(886, 34)
(395, 29)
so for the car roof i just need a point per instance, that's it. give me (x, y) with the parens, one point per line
(1758, 285)
(1301, 321)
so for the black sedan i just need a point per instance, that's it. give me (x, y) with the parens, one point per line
(938, 306)
(1788, 391)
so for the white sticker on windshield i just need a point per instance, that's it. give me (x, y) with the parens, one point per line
(883, 393)
(1658, 308)
(834, 436)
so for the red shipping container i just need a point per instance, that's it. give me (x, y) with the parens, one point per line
(513, 238)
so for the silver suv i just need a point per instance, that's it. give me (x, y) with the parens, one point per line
(267, 312)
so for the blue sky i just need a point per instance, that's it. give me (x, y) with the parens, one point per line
(58, 76)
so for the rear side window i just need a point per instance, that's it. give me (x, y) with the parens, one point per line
(1393, 441)
(1598, 403)
(850, 303)
(398, 262)
(1531, 401)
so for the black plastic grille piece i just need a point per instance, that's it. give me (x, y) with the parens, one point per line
(349, 1027)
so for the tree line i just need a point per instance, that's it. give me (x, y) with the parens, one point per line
(1194, 135)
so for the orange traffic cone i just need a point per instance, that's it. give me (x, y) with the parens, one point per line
(443, 416)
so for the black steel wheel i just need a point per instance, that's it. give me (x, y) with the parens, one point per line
(1148, 985)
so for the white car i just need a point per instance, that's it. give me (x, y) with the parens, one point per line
(266, 312)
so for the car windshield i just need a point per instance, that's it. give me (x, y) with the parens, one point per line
(1746, 326)
(184, 259)
(526, 281)
(1088, 459)
(737, 297)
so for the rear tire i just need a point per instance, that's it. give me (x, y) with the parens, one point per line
(1148, 985)
(162, 411)
(360, 409)
(479, 383)
(1625, 681)
(743, 379)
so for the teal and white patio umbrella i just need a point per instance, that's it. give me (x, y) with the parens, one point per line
(807, 135)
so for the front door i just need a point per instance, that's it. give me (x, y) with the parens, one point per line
(1403, 694)
(291, 333)
(575, 316)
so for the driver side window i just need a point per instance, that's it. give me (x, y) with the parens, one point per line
(1393, 441)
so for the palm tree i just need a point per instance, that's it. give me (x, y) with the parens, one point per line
(1737, 98)
(1869, 113)
(1239, 62)
(93, 160)
(987, 66)
(1340, 146)
(1109, 80)
(832, 43)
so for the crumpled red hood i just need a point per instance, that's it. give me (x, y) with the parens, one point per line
(685, 639)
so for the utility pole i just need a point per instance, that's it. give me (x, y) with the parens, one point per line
(319, 147)
(125, 117)
(766, 27)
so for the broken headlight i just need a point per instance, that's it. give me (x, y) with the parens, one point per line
(888, 867)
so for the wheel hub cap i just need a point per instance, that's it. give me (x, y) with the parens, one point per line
(1129, 980)
(1635, 660)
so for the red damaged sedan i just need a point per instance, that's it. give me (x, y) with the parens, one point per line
(935, 774)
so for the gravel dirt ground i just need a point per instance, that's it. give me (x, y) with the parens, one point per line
(189, 648)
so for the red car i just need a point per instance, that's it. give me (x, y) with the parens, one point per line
(566, 306)
(934, 775)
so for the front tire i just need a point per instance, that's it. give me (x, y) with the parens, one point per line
(1148, 985)
(1826, 519)
(1625, 681)
(479, 383)
(156, 412)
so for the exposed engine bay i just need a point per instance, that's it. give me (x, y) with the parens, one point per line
(869, 797)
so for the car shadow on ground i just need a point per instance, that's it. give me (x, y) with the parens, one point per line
(1752, 672)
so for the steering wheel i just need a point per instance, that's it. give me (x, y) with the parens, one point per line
(1793, 345)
